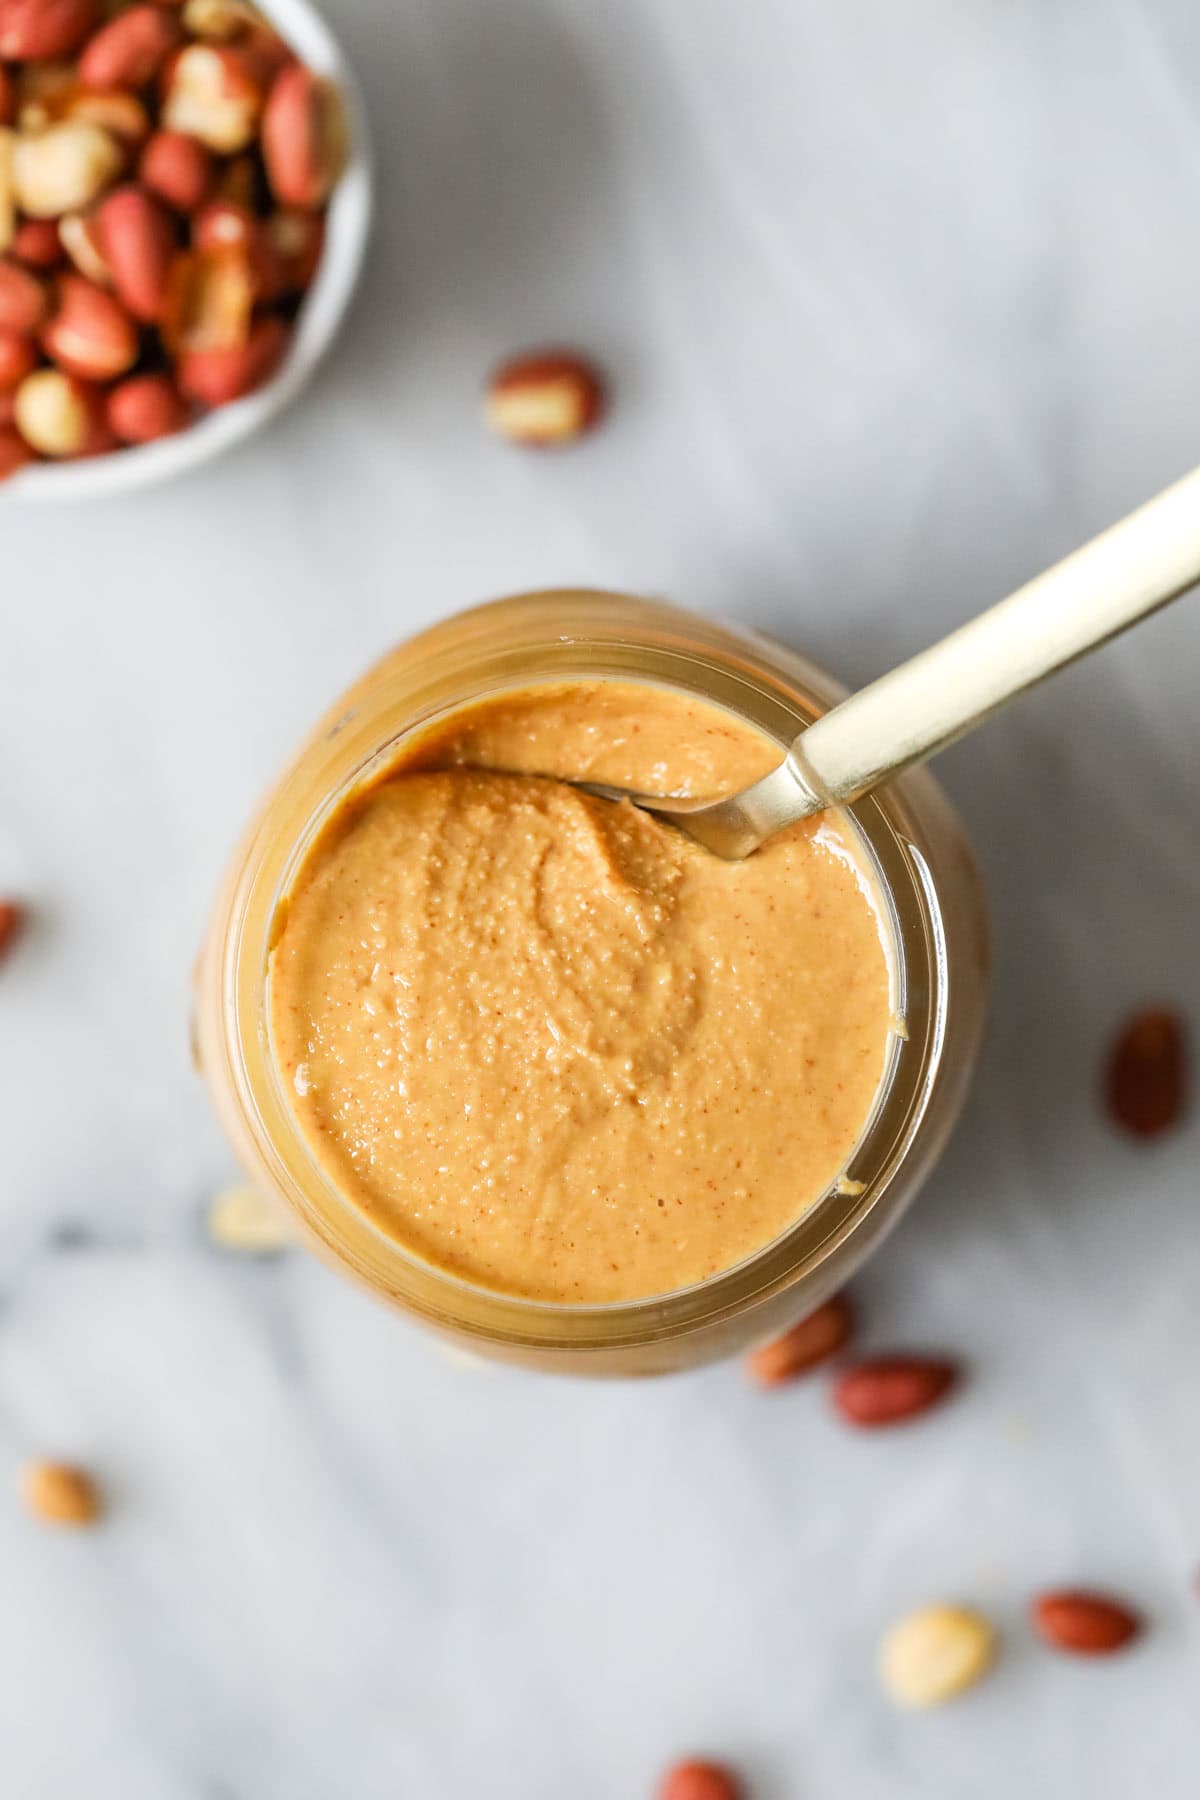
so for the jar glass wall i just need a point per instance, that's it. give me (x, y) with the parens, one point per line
(922, 870)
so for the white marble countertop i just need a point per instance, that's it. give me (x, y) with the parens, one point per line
(901, 302)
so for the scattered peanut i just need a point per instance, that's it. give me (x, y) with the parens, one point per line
(12, 917)
(240, 1219)
(1084, 1623)
(62, 1494)
(545, 397)
(697, 1780)
(934, 1654)
(814, 1340)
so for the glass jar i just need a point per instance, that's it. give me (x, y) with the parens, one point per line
(931, 898)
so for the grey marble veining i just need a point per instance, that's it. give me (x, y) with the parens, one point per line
(901, 303)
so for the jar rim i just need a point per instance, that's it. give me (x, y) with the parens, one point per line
(490, 651)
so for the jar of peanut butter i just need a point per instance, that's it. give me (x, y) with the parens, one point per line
(536, 1067)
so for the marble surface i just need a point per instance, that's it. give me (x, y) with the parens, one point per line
(901, 303)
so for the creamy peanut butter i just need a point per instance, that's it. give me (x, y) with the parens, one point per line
(552, 1045)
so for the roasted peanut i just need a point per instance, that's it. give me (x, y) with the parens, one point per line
(80, 238)
(23, 299)
(18, 356)
(210, 299)
(297, 239)
(59, 415)
(41, 89)
(145, 408)
(12, 912)
(122, 115)
(216, 377)
(697, 1780)
(223, 225)
(177, 168)
(1084, 1623)
(544, 398)
(8, 197)
(221, 21)
(33, 29)
(91, 334)
(304, 137)
(139, 246)
(212, 94)
(64, 168)
(61, 1494)
(14, 451)
(36, 243)
(130, 50)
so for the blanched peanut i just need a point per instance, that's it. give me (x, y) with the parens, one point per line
(80, 238)
(213, 94)
(64, 168)
(57, 414)
(934, 1654)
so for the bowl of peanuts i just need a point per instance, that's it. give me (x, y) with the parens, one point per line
(185, 199)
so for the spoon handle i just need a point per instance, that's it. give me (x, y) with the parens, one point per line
(1139, 564)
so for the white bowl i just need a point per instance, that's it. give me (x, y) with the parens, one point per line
(347, 224)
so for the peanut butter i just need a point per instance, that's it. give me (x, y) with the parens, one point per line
(549, 1043)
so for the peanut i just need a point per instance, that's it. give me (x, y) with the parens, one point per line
(91, 335)
(212, 94)
(33, 29)
(8, 97)
(80, 238)
(304, 137)
(210, 299)
(888, 1390)
(12, 913)
(240, 1219)
(18, 356)
(130, 50)
(696, 1780)
(297, 239)
(58, 415)
(22, 298)
(222, 225)
(221, 21)
(8, 196)
(122, 115)
(139, 247)
(816, 1338)
(62, 1494)
(37, 244)
(217, 377)
(14, 455)
(64, 168)
(177, 168)
(145, 408)
(934, 1654)
(1084, 1623)
(544, 397)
